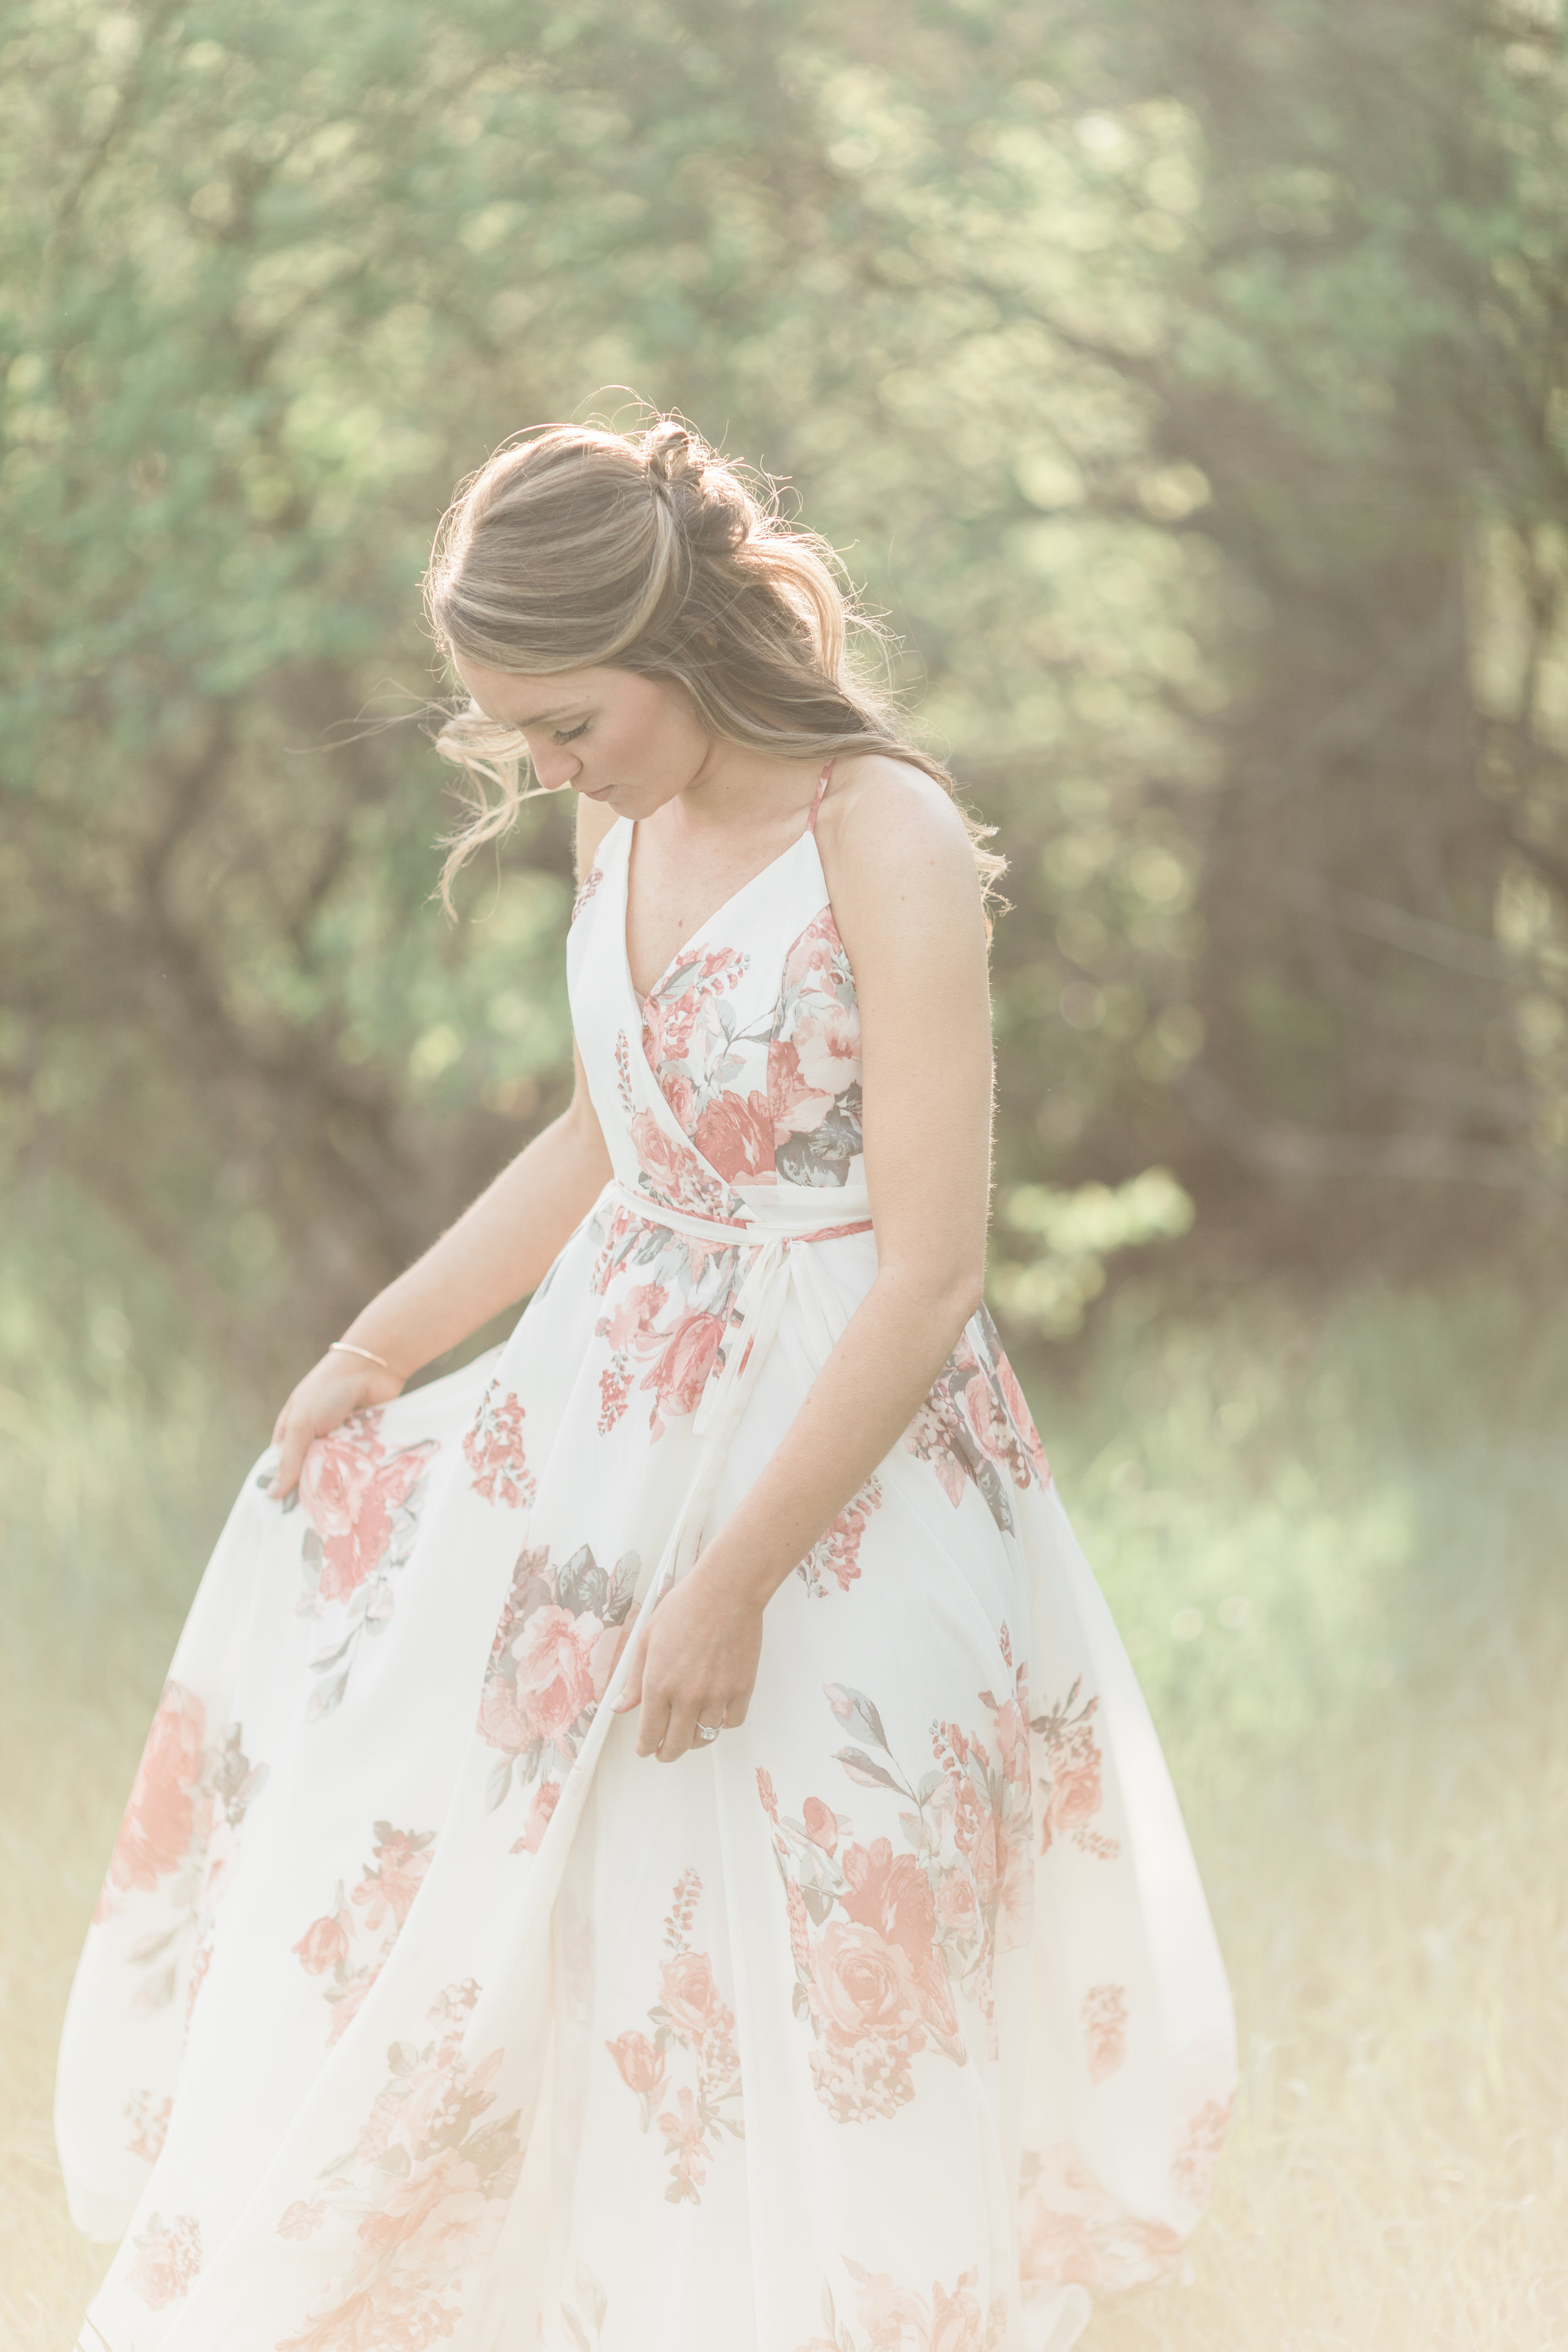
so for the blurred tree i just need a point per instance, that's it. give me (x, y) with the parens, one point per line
(1356, 385)
(1184, 387)
(274, 278)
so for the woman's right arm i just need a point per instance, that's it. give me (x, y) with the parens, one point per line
(499, 1250)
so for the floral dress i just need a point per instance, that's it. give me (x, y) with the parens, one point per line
(893, 2022)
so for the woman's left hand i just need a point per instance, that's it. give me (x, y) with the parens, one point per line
(695, 1662)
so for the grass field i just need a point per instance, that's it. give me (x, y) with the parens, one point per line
(1335, 1537)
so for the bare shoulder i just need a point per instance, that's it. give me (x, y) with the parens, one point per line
(593, 824)
(892, 842)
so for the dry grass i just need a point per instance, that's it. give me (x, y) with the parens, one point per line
(1337, 1549)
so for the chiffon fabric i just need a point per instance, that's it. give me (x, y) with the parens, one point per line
(891, 2021)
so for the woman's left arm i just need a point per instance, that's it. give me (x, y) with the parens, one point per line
(906, 897)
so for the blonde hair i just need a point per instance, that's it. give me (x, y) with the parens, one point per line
(577, 547)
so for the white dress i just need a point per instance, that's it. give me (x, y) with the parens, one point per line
(892, 2021)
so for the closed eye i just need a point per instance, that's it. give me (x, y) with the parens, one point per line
(569, 734)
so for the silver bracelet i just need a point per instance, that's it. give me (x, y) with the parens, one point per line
(348, 1348)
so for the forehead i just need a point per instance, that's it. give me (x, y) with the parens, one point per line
(533, 701)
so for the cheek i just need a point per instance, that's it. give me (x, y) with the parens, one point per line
(653, 730)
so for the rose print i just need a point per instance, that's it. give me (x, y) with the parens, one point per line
(425, 2187)
(694, 2029)
(736, 1136)
(168, 2257)
(588, 888)
(349, 1490)
(362, 1506)
(554, 1650)
(882, 1939)
(159, 1820)
(669, 1172)
(178, 1844)
(554, 1656)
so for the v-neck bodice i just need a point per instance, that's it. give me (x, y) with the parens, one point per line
(732, 1090)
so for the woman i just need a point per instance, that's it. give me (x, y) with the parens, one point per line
(844, 1886)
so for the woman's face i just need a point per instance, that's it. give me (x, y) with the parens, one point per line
(630, 741)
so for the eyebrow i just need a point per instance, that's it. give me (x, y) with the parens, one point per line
(543, 718)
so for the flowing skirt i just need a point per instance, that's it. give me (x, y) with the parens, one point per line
(893, 2020)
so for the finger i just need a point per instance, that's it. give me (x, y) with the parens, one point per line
(680, 1732)
(653, 1724)
(632, 1694)
(296, 1444)
(735, 1713)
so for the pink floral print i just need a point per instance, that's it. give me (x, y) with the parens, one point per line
(590, 883)
(1199, 2151)
(492, 1449)
(456, 1619)
(362, 1505)
(975, 1426)
(168, 2257)
(693, 2027)
(179, 1839)
(880, 1939)
(893, 2318)
(160, 1825)
(673, 1320)
(427, 2184)
(1103, 2016)
(836, 1552)
(554, 1650)
(348, 1946)
(148, 2116)
(778, 1098)
(1073, 1777)
(1071, 2228)
(814, 1060)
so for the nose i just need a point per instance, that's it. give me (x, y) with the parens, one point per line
(556, 770)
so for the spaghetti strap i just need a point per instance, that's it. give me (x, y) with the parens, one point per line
(816, 803)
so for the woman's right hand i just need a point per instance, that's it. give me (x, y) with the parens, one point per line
(340, 1384)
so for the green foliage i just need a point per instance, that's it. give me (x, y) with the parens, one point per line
(1185, 384)
(1073, 1233)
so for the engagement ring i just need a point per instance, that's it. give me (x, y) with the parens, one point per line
(709, 1730)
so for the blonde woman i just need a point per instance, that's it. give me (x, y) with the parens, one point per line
(699, 1701)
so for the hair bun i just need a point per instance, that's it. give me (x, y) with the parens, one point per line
(674, 457)
(706, 501)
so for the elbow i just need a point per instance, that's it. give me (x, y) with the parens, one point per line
(946, 1296)
(966, 1294)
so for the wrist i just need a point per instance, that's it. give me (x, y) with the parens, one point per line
(365, 1353)
(735, 1575)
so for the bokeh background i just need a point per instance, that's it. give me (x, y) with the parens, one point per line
(1187, 384)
